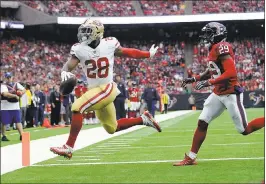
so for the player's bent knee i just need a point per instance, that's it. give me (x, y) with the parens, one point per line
(202, 125)
(74, 108)
(109, 129)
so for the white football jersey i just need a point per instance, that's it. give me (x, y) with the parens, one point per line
(97, 63)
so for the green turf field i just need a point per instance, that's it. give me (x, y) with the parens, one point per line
(145, 156)
(38, 133)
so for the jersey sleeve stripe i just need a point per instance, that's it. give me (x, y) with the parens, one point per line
(117, 44)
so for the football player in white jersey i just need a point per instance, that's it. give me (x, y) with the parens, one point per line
(96, 55)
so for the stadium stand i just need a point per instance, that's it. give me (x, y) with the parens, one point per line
(169, 7)
(221, 6)
(114, 8)
(44, 59)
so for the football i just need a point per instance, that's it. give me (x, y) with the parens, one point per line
(68, 86)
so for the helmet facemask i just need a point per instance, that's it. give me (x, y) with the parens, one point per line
(213, 33)
(90, 31)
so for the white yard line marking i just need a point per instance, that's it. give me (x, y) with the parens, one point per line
(87, 156)
(13, 134)
(189, 130)
(174, 146)
(91, 159)
(11, 155)
(145, 162)
(36, 130)
(116, 143)
(103, 153)
(211, 134)
(114, 146)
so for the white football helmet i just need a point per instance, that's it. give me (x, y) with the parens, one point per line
(90, 31)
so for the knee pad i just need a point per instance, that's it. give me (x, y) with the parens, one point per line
(202, 125)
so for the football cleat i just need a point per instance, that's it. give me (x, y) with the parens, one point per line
(187, 161)
(148, 120)
(65, 151)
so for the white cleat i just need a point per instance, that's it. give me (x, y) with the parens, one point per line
(148, 120)
(65, 151)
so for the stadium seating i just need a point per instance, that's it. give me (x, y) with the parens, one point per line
(114, 8)
(169, 7)
(222, 6)
(149, 8)
(43, 59)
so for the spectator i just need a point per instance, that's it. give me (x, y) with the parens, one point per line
(29, 111)
(23, 108)
(151, 96)
(191, 101)
(10, 110)
(119, 101)
(40, 105)
(56, 106)
(165, 99)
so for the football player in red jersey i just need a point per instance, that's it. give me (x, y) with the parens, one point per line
(134, 98)
(227, 93)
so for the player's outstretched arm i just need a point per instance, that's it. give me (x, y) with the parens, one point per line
(229, 70)
(135, 53)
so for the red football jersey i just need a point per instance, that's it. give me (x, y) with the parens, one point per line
(133, 94)
(216, 68)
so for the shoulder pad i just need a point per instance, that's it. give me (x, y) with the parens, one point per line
(74, 49)
(112, 42)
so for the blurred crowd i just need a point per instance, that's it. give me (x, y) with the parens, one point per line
(114, 8)
(169, 7)
(125, 8)
(41, 61)
(227, 6)
(36, 61)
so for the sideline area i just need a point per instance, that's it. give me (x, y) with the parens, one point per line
(11, 156)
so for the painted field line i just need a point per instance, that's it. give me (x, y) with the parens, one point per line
(211, 134)
(116, 143)
(176, 146)
(145, 162)
(90, 159)
(190, 130)
(87, 156)
(114, 146)
(36, 130)
(13, 134)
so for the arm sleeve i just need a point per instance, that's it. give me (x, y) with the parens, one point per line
(230, 71)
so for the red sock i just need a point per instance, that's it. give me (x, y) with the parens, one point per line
(126, 123)
(74, 129)
(254, 125)
(199, 137)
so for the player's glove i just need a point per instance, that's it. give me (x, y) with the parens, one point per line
(188, 81)
(202, 84)
(153, 50)
(66, 75)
